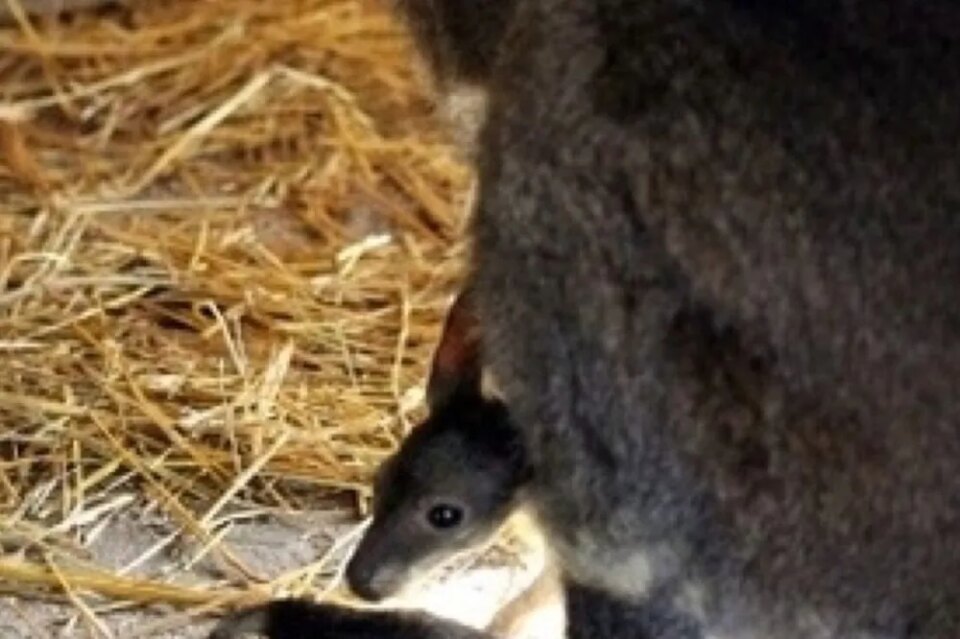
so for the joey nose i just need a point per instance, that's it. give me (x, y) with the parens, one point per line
(367, 582)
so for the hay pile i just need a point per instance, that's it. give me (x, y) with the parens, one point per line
(227, 237)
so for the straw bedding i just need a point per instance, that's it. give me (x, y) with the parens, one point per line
(228, 233)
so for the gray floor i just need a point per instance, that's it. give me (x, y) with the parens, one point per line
(268, 546)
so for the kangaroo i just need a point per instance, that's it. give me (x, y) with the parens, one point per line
(715, 262)
(454, 483)
(449, 487)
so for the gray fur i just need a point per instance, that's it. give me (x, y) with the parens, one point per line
(717, 266)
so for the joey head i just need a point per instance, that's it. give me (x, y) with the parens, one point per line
(454, 480)
(450, 486)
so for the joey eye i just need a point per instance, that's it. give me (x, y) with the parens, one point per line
(444, 516)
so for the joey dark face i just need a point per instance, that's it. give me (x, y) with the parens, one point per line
(448, 489)
(454, 480)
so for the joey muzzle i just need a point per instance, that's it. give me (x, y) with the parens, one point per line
(373, 580)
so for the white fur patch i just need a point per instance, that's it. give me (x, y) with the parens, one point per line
(489, 387)
(691, 600)
(464, 107)
(628, 574)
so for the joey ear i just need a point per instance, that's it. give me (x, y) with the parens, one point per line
(456, 366)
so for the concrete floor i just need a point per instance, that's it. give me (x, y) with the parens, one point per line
(269, 547)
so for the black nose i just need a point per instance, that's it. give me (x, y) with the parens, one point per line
(365, 583)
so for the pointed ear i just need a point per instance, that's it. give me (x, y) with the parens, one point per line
(456, 364)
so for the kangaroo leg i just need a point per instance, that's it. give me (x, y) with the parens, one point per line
(591, 614)
(298, 619)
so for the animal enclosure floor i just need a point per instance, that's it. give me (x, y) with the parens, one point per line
(133, 545)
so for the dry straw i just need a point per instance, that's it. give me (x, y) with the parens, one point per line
(227, 235)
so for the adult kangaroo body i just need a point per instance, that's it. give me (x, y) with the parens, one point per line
(717, 259)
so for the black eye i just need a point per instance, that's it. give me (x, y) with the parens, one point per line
(445, 516)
